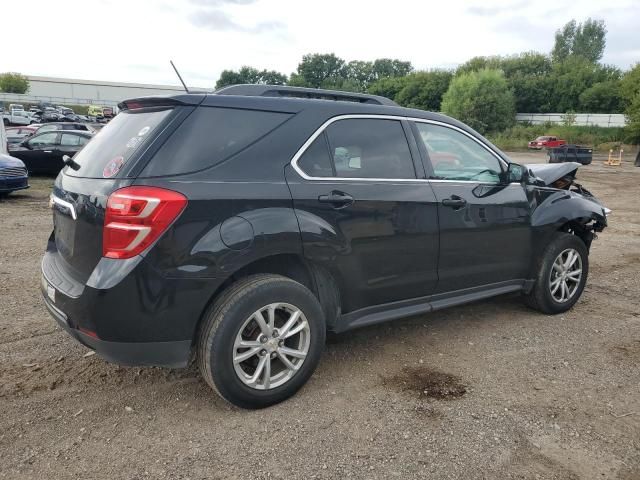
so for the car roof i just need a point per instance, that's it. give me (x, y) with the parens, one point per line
(260, 97)
(84, 133)
(295, 100)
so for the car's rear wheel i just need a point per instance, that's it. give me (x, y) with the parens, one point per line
(261, 340)
(561, 275)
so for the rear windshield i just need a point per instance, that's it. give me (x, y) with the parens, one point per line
(209, 136)
(112, 147)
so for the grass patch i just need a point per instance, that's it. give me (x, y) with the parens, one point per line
(600, 138)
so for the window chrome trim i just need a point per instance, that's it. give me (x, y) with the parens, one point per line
(301, 151)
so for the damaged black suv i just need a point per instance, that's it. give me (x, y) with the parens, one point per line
(240, 226)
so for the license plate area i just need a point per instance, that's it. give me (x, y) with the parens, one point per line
(49, 290)
(64, 228)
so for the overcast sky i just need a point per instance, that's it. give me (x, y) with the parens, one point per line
(132, 41)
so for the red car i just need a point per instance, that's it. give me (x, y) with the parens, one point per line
(546, 141)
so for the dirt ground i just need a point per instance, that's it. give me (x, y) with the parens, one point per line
(489, 390)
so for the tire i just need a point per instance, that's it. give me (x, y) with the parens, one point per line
(231, 319)
(541, 297)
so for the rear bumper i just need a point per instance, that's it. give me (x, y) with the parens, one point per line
(162, 354)
(141, 319)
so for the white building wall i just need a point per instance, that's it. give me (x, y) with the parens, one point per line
(595, 119)
(110, 92)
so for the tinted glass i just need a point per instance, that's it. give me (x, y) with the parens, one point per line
(47, 128)
(209, 136)
(69, 139)
(455, 156)
(116, 143)
(44, 139)
(370, 148)
(316, 161)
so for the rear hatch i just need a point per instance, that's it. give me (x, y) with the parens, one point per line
(107, 163)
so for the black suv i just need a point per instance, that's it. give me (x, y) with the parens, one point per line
(241, 226)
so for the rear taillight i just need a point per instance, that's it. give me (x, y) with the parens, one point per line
(136, 216)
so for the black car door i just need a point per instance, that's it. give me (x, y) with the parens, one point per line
(41, 152)
(364, 213)
(485, 235)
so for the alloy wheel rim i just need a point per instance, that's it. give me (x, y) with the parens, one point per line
(565, 275)
(271, 346)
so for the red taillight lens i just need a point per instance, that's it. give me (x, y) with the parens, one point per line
(136, 216)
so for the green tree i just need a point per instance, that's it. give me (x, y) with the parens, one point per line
(632, 129)
(572, 77)
(250, 75)
(630, 84)
(630, 90)
(360, 73)
(388, 87)
(481, 99)
(316, 69)
(602, 97)
(12, 82)
(424, 90)
(390, 67)
(527, 75)
(586, 40)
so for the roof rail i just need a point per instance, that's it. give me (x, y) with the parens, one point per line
(300, 92)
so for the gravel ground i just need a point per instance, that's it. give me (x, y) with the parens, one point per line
(488, 390)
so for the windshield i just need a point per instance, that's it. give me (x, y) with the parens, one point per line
(112, 147)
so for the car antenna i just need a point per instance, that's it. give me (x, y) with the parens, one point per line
(179, 76)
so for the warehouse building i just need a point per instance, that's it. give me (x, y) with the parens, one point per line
(69, 91)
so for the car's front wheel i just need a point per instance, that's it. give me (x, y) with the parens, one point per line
(561, 275)
(261, 340)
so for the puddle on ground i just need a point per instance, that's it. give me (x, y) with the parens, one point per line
(427, 383)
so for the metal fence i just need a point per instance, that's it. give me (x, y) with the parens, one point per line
(36, 99)
(584, 119)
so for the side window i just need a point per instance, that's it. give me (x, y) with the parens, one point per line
(44, 139)
(70, 140)
(211, 135)
(47, 128)
(455, 156)
(315, 161)
(370, 148)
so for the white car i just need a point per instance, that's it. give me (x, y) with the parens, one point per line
(18, 117)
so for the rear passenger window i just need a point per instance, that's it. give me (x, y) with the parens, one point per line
(370, 148)
(315, 161)
(209, 136)
(70, 140)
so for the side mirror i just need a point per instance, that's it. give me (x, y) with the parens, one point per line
(25, 144)
(515, 173)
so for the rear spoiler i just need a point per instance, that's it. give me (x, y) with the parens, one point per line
(162, 101)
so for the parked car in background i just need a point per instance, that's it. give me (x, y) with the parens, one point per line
(241, 226)
(18, 134)
(50, 127)
(4, 147)
(44, 152)
(95, 111)
(17, 117)
(13, 175)
(50, 115)
(16, 106)
(546, 141)
(108, 112)
(571, 153)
